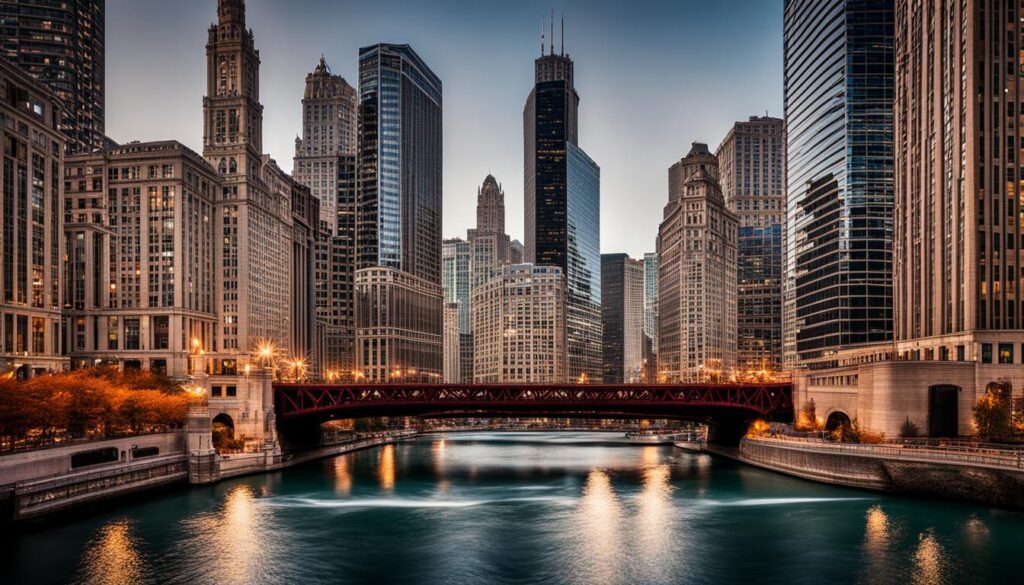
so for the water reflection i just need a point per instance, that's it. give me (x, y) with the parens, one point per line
(342, 476)
(386, 468)
(977, 532)
(654, 530)
(112, 558)
(437, 450)
(599, 529)
(929, 560)
(878, 541)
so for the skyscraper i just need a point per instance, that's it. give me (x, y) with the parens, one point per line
(31, 222)
(61, 43)
(838, 59)
(519, 326)
(696, 275)
(325, 161)
(622, 318)
(491, 246)
(750, 172)
(456, 256)
(960, 221)
(562, 206)
(650, 347)
(398, 223)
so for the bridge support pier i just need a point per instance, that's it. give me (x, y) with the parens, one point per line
(203, 461)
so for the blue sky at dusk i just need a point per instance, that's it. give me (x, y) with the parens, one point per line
(652, 77)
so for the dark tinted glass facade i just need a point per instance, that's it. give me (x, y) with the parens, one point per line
(60, 42)
(613, 284)
(562, 201)
(838, 102)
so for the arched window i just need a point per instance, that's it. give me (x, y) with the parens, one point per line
(222, 167)
(233, 166)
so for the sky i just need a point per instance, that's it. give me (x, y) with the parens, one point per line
(653, 76)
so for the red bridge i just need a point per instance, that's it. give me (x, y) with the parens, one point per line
(706, 402)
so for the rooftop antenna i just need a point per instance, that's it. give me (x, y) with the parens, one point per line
(563, 34)
(552, 31)
(542, 36)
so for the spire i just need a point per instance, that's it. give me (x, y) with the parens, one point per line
(552, 41)
(231, 11)
(542, 36)
(563, 34)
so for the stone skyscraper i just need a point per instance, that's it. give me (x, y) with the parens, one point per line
(398, 223)
(696, 275)
(750, 172)
(325, 161)
(838, 94)
(61, 43)
(562, 206)
(31, 221)
(622, 318)
(491, 246)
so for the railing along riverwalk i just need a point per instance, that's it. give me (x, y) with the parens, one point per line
(963, 452)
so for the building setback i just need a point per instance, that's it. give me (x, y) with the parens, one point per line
(31, 226)
(519, 326)
(750, 173)
(398, 223)
(562, 206)
(61, 43)
(696, 275)
(622, 318)
(839, 181)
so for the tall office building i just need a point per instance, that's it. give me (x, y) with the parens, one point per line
(61, 43)
(256, 283)
(960, 221)
(456, 257)
(650, 341)
(750, 172)
(519, 326)
(398, 224)
(622, 318)
(325, 161)
(838, 59)
(31, 223)
(696, 275)
(562, 206)
(140, 278)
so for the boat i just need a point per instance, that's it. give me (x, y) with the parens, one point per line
(656, 437)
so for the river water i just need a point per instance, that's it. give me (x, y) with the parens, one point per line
(582, 508)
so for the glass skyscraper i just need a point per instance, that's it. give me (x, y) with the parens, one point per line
(398, 220)
(838, 60)
(562, 207)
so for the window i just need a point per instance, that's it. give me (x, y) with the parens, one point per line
(1006, 353)
(986, 353)
(131, 333)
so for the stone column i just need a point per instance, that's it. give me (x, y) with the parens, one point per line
(203, 461)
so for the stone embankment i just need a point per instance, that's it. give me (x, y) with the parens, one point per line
(982, 475)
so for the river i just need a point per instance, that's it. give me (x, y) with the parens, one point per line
(479, 508)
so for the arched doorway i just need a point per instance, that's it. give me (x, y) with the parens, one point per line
(837, 419)
(943, 410)
(223, 430)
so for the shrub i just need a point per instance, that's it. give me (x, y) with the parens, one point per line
(807, 418)
(909, 429)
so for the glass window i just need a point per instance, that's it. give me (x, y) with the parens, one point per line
(986, 353)
(1006, 353)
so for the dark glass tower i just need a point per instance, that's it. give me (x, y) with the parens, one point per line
(839, 162)
(60, 42)
(562, 206)
(398, 218)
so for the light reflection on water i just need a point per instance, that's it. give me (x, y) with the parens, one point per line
(466, 509)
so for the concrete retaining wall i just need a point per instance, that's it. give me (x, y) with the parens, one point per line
(986, 484)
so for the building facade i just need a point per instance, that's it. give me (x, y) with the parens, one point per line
(140, 246)
(622, 318)
(61, 43)
(839, 178)
(650, 341)
(696, 276)
(750, 172)
(491, 247)
(562, 206)
(31, 226)
(398, 221)
(325, 161)
(519, 326)
(457, 255)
